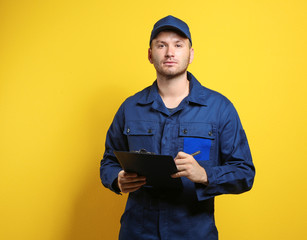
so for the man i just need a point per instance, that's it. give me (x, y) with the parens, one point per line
(177, 116)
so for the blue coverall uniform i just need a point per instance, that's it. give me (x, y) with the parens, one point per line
(204, 121)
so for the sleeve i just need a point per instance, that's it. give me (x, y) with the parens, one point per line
(235, 173)
(115, 140)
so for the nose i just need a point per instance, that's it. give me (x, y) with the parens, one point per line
(169, 52)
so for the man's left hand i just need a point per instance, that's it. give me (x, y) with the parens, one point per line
(188, 167)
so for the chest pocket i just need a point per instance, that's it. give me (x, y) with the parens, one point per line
(197, 137)
(140, 135)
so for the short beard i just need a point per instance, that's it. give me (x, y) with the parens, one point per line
(171, 74)
(168, 74)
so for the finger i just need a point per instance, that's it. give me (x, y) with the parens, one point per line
(182, 155)
(133, 184)
(128, 186)
(122, 173)
(181, 161)
(178, 155)
(129, 175)
(178, 174)
(132, 180)
(181, 168)
(134, 176)
(130, 190)
(137, 178)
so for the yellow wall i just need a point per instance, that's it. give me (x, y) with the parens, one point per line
(65, 67)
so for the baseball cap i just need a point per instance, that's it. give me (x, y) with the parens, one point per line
(170, 23)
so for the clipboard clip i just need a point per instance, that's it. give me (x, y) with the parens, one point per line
(143, 151)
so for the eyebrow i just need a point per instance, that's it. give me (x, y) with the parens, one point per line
(160, 41)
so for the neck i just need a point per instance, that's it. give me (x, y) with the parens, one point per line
(173, 90)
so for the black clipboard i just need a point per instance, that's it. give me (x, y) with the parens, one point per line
(156, 168)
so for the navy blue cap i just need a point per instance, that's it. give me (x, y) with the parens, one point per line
(170, 23)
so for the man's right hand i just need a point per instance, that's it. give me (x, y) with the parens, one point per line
(129, 182)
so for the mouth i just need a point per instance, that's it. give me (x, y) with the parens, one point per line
(170, 63)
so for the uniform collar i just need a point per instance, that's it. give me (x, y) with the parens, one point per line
(196, 95)
(150, 95)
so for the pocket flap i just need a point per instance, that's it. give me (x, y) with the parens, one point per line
(192, 129)
(140, 128)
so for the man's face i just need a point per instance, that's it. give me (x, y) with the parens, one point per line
(170, 54)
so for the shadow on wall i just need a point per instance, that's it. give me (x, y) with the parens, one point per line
(96, 212)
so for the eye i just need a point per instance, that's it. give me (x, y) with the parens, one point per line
(178, 45)
(161, 45)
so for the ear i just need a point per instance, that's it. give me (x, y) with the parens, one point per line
(191, 55)
(150, 55)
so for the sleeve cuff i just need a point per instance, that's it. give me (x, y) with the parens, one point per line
(113, 178)
(114, 187)
(206, 191)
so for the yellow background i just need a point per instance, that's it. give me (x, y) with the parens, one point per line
(66, 66)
